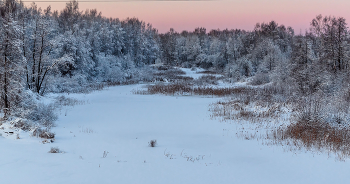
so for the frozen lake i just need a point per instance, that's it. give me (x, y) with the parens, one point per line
(192, 148)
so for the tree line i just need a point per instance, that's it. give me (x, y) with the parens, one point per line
(271, 52)
(50, 51)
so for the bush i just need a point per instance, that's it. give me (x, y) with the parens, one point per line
(186, 65)
(152, 143)
(315, 135)
(43, 114)
(207, 79)
(45, 134)
(162, 67)
(259, 79)
(37, 132)
(66, 101)
(105, 154)
(21, 124)
(170, 75)
(54, 150)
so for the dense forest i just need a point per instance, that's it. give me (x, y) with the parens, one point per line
(67, 51)
(71, 50)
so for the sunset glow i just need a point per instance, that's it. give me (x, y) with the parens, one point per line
(219, 14)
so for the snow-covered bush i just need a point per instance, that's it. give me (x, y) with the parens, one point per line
(186, 65)
(45, 134)
(43, 114)
(31, 110)
(55, 150)
(259, 79)
(207, 80)
(66, 101)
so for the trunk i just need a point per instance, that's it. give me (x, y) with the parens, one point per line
(34, 65)
(6, 100)
(39, 78)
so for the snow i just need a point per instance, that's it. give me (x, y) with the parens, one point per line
(192, 73)
(196, 75)
(192, 147)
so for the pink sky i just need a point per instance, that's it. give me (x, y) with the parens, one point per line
(222, 14)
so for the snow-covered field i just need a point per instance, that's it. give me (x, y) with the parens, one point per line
(192, 148)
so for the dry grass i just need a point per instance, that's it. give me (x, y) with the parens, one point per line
(152, 143)
(314, 135)
(171, 75)
(244, 110)
(266, 104)
(208, 72)
(220, 91)
(207, 79)
(22, 124)
(45, 134)
(188, 89)
(172, 72)
(67, 101)
(313, 129)
(171, 89)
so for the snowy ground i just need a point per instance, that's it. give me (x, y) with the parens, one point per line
(192, 148)
(196, 75)
(193, 73)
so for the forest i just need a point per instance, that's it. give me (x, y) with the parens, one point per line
(73, 51)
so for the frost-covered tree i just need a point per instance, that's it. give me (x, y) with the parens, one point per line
(332, 46)
(11, 58)
(192, 48)
(272, 58)
(40, 49)
(234, 47)
(304, 69)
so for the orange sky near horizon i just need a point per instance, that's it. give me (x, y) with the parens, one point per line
(218, 14)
